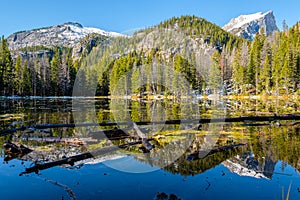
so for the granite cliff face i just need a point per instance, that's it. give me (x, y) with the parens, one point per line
(247, 26)
(67, 35)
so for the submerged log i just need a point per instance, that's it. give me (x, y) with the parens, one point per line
(65, 187)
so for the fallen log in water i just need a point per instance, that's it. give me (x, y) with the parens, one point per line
(203, 154)
(142, 135)
(40, 130)
(171, 122)
(13, 148)
(258, 124)
(289, 124)
(67, 140)
(167, 122)
(113, 134)
(13, 151)
(12, 131)
(71, 160)
(19, 123)
(277, 124)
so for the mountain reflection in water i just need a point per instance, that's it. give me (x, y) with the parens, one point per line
(258, 160)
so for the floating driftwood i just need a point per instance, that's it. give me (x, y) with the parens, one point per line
(203, 154)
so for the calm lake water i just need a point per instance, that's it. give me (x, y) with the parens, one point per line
(244, 160)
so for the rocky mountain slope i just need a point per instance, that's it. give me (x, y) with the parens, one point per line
(247, 26)
(67, 35)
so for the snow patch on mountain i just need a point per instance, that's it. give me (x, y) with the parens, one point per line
(67, 34)
(79, 30)
(247, 26)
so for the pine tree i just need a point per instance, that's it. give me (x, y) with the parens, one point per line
(254, 66)
(6, 69)
(266, 75)
(276, 69)
(45, 76)
(215, 81)
(18, 75)
(251, 68)
(283, 58)
(284, 26)
(27, 79)
(238, 71)
(55, 66)
(136, 80)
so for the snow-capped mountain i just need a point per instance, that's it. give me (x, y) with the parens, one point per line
(247, 26)
(67, 34)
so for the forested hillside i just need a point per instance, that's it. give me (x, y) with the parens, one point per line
(160, 59)
(270, 65)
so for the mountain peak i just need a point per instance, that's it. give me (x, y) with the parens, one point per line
(73, 24)
(247, 26)
(67, 34)
(269, 12)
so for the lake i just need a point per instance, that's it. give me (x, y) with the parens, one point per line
(148, 149)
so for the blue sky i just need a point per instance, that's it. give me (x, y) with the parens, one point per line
(124, 15)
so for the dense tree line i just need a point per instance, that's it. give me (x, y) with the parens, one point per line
(162, 59)
(37, 75)
(270, 65)
(201, 28)
(6, 69)
(138, 73)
